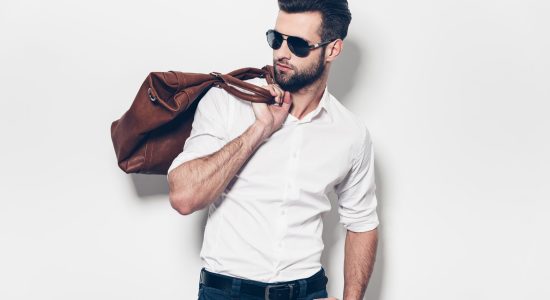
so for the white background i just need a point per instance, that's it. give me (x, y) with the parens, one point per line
(455, 94)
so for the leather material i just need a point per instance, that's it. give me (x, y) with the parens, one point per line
(281, 290)
(149, 136)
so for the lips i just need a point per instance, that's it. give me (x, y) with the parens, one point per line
(283, 67)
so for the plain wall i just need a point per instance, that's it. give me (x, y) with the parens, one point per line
(455, 95)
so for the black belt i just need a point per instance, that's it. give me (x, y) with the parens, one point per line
(288, 290)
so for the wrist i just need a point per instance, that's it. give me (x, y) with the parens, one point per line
(263, 129)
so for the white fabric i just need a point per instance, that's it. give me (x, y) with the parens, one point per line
(267, 224)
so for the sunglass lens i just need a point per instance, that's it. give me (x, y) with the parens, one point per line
(299, 46)
(274, 39)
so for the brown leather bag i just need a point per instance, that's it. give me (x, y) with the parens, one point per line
(149, 136)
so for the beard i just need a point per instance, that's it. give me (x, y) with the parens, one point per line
(300, 78)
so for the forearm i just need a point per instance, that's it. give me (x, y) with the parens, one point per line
(360, 255)
(197, 183)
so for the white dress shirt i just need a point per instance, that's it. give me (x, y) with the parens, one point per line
(267, 224)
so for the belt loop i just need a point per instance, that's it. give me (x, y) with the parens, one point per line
(236, 288)
(303, 288)
(201, 280)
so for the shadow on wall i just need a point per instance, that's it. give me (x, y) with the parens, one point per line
(150, 185)
(374, 289)
(344, 76)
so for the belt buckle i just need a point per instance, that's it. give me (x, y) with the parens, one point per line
(279, 285)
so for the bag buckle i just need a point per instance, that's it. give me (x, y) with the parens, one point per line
(291, 286)
(151, 96)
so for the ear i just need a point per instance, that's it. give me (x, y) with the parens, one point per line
(333, 50)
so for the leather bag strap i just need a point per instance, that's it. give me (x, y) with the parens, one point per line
(243, 90)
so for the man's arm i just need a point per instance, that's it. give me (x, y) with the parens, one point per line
(360, 254)
(197, 183)
(357, 209)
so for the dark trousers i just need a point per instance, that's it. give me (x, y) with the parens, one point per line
(233, 290)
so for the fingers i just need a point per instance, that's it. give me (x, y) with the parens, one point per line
(276, 92)
(287, 100)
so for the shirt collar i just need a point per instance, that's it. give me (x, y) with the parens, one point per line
(321, 108)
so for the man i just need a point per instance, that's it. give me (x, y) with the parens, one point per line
(265, 172)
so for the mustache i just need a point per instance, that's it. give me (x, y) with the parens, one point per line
(284, 64)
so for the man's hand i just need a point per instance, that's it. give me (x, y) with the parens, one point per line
(273, 116)
(331, 298)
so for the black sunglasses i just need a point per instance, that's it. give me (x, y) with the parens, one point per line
(297, 45)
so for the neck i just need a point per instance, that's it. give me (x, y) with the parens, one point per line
(307, 99)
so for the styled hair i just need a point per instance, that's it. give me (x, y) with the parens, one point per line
(335, 15)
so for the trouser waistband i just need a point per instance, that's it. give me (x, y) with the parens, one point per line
(288, 290)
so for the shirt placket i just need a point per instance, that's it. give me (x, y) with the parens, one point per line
(290, 190)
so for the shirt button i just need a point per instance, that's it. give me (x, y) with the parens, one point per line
(283, 212)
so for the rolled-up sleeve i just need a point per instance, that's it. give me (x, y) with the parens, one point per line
(356, 193)
(209, 131)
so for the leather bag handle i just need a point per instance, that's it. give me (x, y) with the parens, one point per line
(234, 86)
(253, 92)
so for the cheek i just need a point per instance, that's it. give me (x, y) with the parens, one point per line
(310, 63)
(303, 63)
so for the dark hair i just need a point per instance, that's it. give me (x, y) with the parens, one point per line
(335, 15)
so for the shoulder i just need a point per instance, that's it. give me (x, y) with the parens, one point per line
(354, 125)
